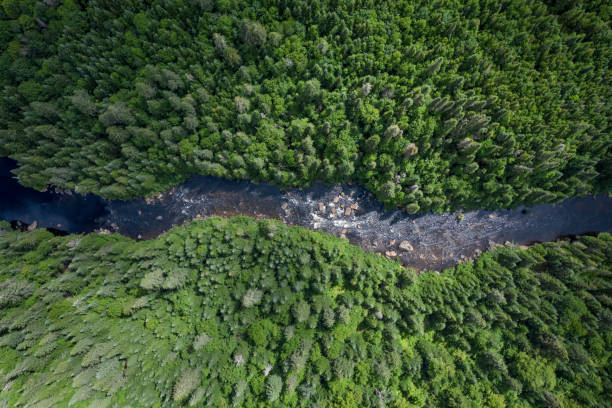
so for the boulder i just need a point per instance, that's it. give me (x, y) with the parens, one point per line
(405, 246)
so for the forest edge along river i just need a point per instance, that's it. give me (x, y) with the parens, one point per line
(421, 241)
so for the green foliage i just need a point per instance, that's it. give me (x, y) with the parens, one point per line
(201, 340)
(301, 311)
(253, 33)
(252, 297)
(186, 383)
(296, 318)
(431, 106)
(274, 386)
(12, 292)
(263, 331)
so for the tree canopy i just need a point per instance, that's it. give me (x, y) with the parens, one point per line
(237, 313)
(480, 104)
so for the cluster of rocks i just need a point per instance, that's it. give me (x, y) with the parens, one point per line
(341, 205)
(404, 246)
(344, 206)
(158, 197)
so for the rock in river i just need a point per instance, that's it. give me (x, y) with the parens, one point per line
(405, 246)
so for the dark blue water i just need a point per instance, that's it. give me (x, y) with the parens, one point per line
(67, 212)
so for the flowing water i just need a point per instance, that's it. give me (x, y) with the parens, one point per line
(66, 212)
(421, 241)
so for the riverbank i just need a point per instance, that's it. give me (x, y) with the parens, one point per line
(420, 241)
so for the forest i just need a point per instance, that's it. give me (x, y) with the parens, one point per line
(431, 105)
(244, 313)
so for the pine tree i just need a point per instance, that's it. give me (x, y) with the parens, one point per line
(201, 340)
(253, 33)
(274, 386)
(252, 297)
(186, 382)
(301, 311)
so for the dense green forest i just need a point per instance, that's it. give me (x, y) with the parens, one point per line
(431, 105)
(236, 313)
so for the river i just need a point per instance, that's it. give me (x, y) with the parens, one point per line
(429, 241)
